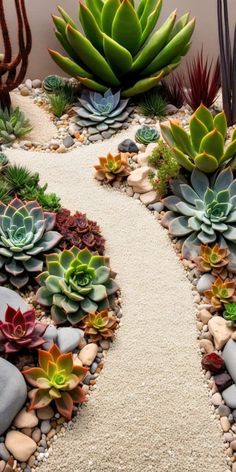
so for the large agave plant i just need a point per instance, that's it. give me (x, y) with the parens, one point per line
(204, 146)
(75, 283)
(117, 49)
(25, 232)
(102, 111)
(204, 212)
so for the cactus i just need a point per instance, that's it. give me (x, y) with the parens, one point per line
(14, 68)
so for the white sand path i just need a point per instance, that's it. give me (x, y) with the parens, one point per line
(150, 411)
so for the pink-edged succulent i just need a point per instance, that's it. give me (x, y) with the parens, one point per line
(57, 378)
(20, 330)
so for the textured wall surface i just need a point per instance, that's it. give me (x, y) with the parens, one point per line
(43, 36)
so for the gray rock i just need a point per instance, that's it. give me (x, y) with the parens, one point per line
(95, 137)
(73, 128)
(156, 207)
(229, 396)
(13, 393)
(28, 84)
(171, 109)
(229, 356)
(50, 335)
(92, 131)
(128, 146)
(68, 141)
(9, 297)
(223, 410)
(68, 338)
(4, 454)
(102, 127)
(93, 367)
(106, 134)
(205, 282)
(45, 426)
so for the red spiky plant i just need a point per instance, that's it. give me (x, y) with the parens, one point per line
(13, 68)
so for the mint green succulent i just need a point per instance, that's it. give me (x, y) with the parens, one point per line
(117, 49)
(25, 232)
(147, 135)
(13, 124)
(4, 161)
(230, 312)
(203, 147)
(75, 283)
(52, 83)
(203, 213)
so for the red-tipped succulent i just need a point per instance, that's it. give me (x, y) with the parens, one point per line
(57, 378)
(78, 231)
(20, 330)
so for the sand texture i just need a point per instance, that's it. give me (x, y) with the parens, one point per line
(150, 411)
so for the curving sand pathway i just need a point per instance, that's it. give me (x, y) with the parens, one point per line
(150, 411)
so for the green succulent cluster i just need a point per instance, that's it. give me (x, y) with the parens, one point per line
(203, 212)
(13, 124)
(230, 312)
(117, 50)
(147, 135)
(163, 160)
(75, 283)
(4, 161)
(203, 147)
(61, 94)
(52, 84)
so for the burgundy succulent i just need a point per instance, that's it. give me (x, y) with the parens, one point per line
(20, 330)
(78, 231)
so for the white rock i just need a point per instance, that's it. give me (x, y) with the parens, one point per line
(220, 330)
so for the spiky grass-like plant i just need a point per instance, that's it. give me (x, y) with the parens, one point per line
(18, 177)
(4, 193)
(153, 104)
(173, 88)
(58, 104)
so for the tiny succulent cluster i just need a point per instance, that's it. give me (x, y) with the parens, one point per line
(101, 325)
(203, 147)
(77, 230)
(75, 283)
(212, 259)
(20, 330)
(61, 93)
(102, 111)
(204, 213)
(163, 160)
(25, 232)
(153, 104)
(147, 135)
(52, 84)
(13, 124)
(113, 167)
(221, 293)
(56, 379)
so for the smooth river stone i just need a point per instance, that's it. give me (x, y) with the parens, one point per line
(88, 354)
(220, 330)
(20, 445)
(68, 338)
(13, 393)
(9, 297)
(26, 419)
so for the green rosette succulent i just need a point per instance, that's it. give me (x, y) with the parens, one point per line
(25, 232)
(52, 83)
(230, 312)
(203, 147)
(147, 135)
(203, 213)
(75, 283)
(117, 49)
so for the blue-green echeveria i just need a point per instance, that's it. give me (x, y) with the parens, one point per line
(75, 283)
(25, 232)
(203, 213)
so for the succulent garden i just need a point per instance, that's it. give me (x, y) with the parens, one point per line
(135, 126)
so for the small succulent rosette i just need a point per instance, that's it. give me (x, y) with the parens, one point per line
(146, 135)
(76, 283)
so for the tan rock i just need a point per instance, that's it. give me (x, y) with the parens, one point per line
(149, 197)
(139, 180)
(234, 336)
(26, 419)
(233, 445)
(88, 354)
(2, 466)
(205, 316)
(220, 330)
(45, 413)
(142, 159)
(207, 345)
(216, 399)
(225, 424)
(20, 445)
(36, 435)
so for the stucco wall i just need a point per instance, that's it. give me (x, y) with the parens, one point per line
(43, 36)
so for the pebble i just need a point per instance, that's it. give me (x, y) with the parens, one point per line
(36, 435)
(93, 367)
(24, 91)
(88, 354)
(205, 282)
(216, 399)
(69, 338)
(158, 207)
(128, 146)
(2, 466)
(207, 345)
(26, 419)
(223, 410)
(28, 84)
(4, 454)
(106, 134)
(225, 424)
(205, 316)
(105, 344)
(95, 137)
(36, 83)
(149, 197)
(68, 141)
(220, 330)
(45, 413)
(45, 426)
(20, 445)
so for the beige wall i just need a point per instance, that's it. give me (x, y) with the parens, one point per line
(43, 36)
